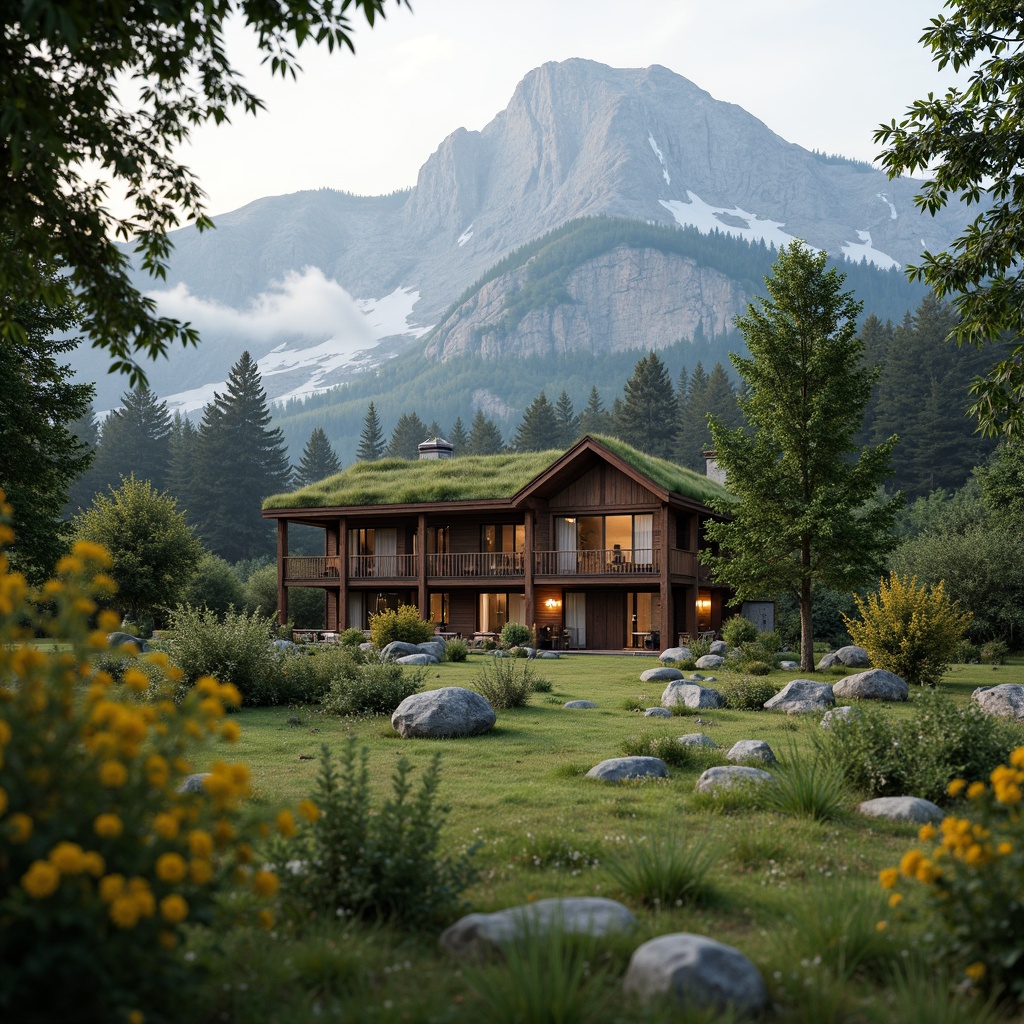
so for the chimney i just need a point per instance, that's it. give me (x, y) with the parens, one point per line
(435, 448)
(713, 471)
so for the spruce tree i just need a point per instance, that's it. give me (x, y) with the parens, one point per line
(240, 460)
(539, 429)
(135, 440)
(371, 438)
(568, 421)
(692, 432)
(806, 512)
(409, 432)
(458, 437)
(648, 414)
(181, 473)
(86, 432)
(484, 436)
(595, 419)
(319, 460)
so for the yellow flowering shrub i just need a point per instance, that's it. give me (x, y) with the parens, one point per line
(103, 860)
(970, 872)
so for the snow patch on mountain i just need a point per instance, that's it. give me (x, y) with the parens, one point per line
(696, 213)
(466, 236)
(885, 199)
(864, 250)
(391, 314)
(661, 159)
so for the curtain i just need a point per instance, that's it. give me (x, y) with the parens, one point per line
(355, 609)
(385, 548)
(565, 541)
(576, 619)
(643, 539)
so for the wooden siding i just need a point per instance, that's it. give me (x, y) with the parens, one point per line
(600, 488)
(606, 619)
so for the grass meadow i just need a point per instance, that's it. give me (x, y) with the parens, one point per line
(799, 895)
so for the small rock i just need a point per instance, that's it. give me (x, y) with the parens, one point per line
(800, 696)
(751, 750)
(719, 647)
(659, 675)
(691, 695)
(417, 659)
(676, 654)
(726, 775)
(697, 739)
(844, 714)
(398, 649)
(195, 783)
(657, 713)
(615, 769)
(579, 704)
(711, 661)
(788, 666)
(119, 639)
(875, 684)
(901, 808)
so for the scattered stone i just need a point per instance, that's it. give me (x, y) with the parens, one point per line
(417, 659)
(801, 696)
(697, 739)
(195, 783)
(846, 713)
(119, 639)
(696, 972)
(676, 654)
(788, 666)
(726, 775)
(691, 695)
(615, 769)
(476, 936)
(579, 704)
(433, 647)
(875, 684)
(439, 714)
(657, 713)
(696, 677)
(662, 674)
(901, 808)
(1005, 700)
(398, 649)
(719, 647)
(366, 648)
(548, 654)
(280, 644)
(751, 750)
(850, 657)
(711, 661)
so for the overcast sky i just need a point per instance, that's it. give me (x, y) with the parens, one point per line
(817, 72)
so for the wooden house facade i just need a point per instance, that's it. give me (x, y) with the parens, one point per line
(591, 552)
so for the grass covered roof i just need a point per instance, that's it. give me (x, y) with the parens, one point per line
(472, 477)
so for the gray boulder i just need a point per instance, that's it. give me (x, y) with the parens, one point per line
(615, 769)
(440, 714)
(726, 775)
(719, 647)
(432, 647)
(751, 750)
(1005, 700)
(548, 654)
(698, 739)
(676, 654)
(691, 695)
(399, 649)
(579, 704)
(695, 972)
(846, 713)
(416, 659)
(657, 713)
(901, 808)
(875, 684)
(366, 648)
(119, 639)
(801, 696)
(711, 661)
(195, 783)
(789, 665)
(849, 657)
(660, 675)
(477, 936)
(280, 644)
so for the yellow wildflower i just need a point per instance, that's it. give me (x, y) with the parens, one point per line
(200, 843)
(956, 787)
(286, 823)
(111, 886)
(136, 1017)
(926, 832)
(174, 908)
(200, 871)
(265, 918)
(20, 826)
(108, 826)
(909, 863)
(113, 774)
(1004, 848)
(975, 971)
(170, 867)
(67, 858)
(887, 877)
(90, 551)
(41, 880)
(1017, 758)
(165, 825)
(895, 899)
(881, 926)
(136, 680)
(308, 810)
(157, 770)
(230, 731)
(975, 790)
(124, 911)
(93, 863)
(266, 883)
(5, 732)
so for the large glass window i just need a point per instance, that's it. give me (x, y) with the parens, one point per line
(497, 609)
(643, 611)
(503, 537)
(615, 539)
(439, 605)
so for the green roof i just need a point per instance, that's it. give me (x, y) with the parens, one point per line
(472, 477)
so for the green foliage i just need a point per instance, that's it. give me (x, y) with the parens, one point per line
(135, 440)
(214, 585)
(352, 637)
(402, 623)
(504, 685)
(319, 460)
(374, 862)
(371, 438)
(647, 417)
(806, 514)
(814, 788)
(367, 687)
(737, 631)
(539, 430)
(664, 869)
(884, 756)
(484, 436)
(456, 650)
(652, 744)
(758, 668)
(540, 685)
(235, 648)
(993, 653)
(54, 208)
(909, 630)
(307, 677)
(409, 432)
(305, 604)
(964, 139)
(966, 653)
(513, 634)
(746, 694)
(152, 549)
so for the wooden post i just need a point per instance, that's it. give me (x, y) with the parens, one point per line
(421, 565)
(342, 574)
(530, 613)
(282, 554)
(665, 579)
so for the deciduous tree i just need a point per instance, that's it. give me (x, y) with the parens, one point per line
(805, 511)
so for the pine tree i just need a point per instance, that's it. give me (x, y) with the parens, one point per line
(86, 431)
(434, 430)
(568, 421)
(181, 473)
(239, 462)
(135, 440)
(409, 432)
(319, 460)
(595, 419)
(648, 414)
(371, 439)
(458, 437)
(805, 513)
(539, 429)
(721, 401)
(691, 435)
(484, 436)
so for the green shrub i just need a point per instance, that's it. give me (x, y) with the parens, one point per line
(663, 870)
(651, 744)
(215, 585)
(373, 863)
(884, 756)
(235, 649)
(541, 685)
(305, 604)
(307, 679)
(686, 665)
(967, 653)
(352, 637)
(698, 648)
(737, 631)
(746, 694)
(993, 653)
(368, 687)
(758, 668)
(815, 789)
(503, 684)
(403, 623)
(515, 635)
(456, 650)
(910, 630)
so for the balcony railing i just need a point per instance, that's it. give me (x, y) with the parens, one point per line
(682, 563)
(476, 563)
(308, 567)
(390, 567)
(630, 561)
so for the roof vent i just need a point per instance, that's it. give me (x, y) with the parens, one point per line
(714, 471)
(435, 448)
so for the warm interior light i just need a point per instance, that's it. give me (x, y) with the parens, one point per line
(552, 603)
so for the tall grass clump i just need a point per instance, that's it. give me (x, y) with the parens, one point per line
(813, 788)
(505, 684)
(456, 650)
(664, 869)
(367, 686)
(104, 863)
(377, 863)
(668, 748)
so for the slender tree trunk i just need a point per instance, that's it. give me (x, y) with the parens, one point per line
(806, 626)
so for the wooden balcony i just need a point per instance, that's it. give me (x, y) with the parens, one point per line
(476, 564)
(382, 567)
(307, 567)
(683, 563)
(618, 561)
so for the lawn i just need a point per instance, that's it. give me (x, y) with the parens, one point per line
(539, 828)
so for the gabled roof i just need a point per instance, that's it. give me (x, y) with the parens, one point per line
(514, 477)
